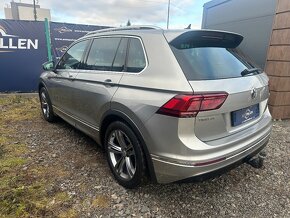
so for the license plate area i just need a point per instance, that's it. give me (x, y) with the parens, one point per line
(245, 115)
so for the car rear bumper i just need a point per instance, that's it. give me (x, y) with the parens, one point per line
(170, 170)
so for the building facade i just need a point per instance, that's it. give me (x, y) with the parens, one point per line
(23, 11)
(265, 24)
(251, 18)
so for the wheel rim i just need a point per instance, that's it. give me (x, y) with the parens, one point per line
(44, 105)
(122, 154)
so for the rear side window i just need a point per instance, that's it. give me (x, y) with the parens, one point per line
(72, 58)
(102, 54)
(136, 59)
(209, 63)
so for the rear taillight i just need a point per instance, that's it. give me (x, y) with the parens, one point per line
(189, 105)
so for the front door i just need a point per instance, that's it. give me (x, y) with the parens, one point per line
(62, 84)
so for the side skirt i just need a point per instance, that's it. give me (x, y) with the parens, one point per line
(84, 127)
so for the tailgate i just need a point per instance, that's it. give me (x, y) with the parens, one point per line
(244, 106)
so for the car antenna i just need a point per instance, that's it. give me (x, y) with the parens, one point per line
(188, 27)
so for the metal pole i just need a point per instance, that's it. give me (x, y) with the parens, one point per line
(34, 10)
(47, 36)
(168, 14)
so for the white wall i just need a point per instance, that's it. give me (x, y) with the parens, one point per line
(8, 13)
(27, 13)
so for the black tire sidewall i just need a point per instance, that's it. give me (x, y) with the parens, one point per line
(140, 166)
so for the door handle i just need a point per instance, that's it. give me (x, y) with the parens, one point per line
(71, 77)
(108, 81)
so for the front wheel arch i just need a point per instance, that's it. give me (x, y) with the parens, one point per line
(41, 85)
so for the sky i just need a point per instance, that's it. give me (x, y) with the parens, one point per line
(118, 12)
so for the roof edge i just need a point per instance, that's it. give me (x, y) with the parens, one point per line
(214, 3)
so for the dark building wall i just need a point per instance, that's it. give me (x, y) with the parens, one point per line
(251, 18)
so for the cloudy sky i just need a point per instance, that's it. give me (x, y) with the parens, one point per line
(117, 12)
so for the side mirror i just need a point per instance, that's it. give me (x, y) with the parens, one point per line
(48, 66)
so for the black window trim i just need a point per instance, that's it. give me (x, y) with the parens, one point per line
(121, 38)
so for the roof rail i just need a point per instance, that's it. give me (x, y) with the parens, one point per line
(141, 27)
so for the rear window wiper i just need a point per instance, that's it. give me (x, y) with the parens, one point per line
(250, 71)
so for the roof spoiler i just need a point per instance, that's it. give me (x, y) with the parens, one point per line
(206, 38)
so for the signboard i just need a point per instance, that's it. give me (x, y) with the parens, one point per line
(63, 34)
(23, 50)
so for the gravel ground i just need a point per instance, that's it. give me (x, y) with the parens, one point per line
(74, 164)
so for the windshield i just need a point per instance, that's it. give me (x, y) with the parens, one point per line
(209, 63)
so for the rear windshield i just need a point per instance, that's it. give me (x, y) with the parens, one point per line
(209, 63)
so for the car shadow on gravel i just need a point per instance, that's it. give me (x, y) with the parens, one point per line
(230, 194)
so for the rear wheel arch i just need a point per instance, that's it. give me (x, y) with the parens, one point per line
(112, 116)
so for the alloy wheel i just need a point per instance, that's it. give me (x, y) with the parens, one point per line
(122, 154)
(44, 104)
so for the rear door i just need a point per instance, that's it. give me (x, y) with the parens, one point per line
(211, 64)
(98, 80)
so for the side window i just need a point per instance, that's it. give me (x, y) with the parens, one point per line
(136, 59)
(120, 57)
(102, 54)
(73, 57)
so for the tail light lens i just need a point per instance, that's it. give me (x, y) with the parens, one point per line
(189, 105)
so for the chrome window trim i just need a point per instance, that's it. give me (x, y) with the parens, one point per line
(114, 72)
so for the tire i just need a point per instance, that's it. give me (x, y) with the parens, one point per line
(46, 106)
(124, 155)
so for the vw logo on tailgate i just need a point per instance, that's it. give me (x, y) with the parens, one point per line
(254, 93)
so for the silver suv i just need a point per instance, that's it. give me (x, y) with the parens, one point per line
(168, 104)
